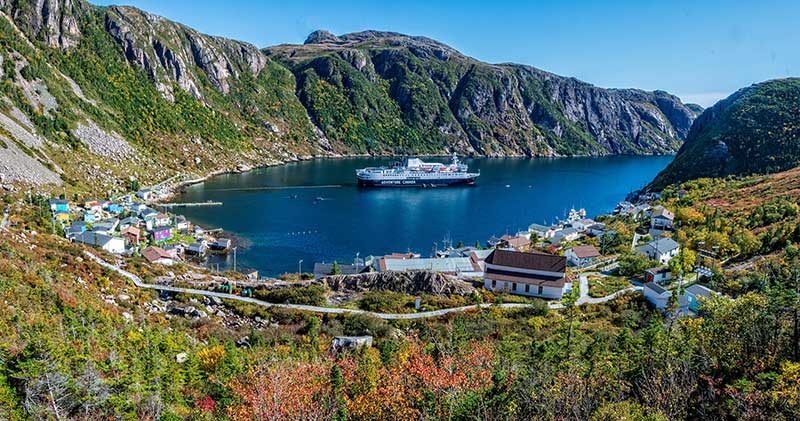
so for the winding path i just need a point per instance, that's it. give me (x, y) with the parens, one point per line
(335, 310)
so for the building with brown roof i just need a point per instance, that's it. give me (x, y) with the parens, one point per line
(158, 255)
(662, 219)
(515, 242)
(534, 274)
(582, 255)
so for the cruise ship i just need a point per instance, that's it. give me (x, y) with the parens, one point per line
(415, 173)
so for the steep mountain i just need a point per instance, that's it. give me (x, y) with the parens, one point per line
(754, 131)
(372, 91)
(93, 95)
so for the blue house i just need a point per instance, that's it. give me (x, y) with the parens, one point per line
(89, 217)
(695, 294)
(59, 205)
(115, 208)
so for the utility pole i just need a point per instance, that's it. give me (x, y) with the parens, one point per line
(234, 259)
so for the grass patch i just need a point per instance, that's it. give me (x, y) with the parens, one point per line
(601, 286)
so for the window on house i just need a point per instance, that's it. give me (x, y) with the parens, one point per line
(513, 286)
(527, 288)
(541, 290)
(494, 284)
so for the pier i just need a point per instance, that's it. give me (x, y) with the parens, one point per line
(323, 186)
(188, 205)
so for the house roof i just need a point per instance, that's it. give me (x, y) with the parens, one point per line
(515, 242)
(478, 255)
(154, 253)
(538, 227)
(93, 238)
(566, 231)
(528, 260)
(585, 252)
(655, 287)
(447, 264)
(663, 245)
(131, 230)
(58, 202)
(663, 213)
(699, 291)
(658, 270)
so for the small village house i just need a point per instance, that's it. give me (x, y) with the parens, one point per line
(59, 205)
(596, 230)
(147, 194)
(157, 255)
(130, 221)
(196, 249)
(695, 294)
(62, 217)
(162, 220)
(661, 219)
(656, 294)
(565, 235)
(542, 231)
(661, 250)
(162, 234)
(516, 242)
(106, 226)
(106, 242)
(582, 255)
(659, 275)
(181, 223)
(132, 235)
(534, 274)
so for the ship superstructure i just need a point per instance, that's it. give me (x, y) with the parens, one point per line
(413, 172)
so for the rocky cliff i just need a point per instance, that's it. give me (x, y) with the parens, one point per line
(415, 93)
(176, 100)
(754, 131)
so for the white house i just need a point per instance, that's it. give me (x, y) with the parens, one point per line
(542, 231)
(106, 242)
(534, 274)
(566, 234)
(656, 295)
(662, 219)
(582, 255)
(662, 249)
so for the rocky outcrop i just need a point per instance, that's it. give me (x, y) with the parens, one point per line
(406, 282)
(172, 53)
(55, 22)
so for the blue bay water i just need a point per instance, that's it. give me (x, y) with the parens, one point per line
(276, 229)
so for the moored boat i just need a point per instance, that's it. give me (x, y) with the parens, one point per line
(416, 173)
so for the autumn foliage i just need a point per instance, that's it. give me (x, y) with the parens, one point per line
(417, 383)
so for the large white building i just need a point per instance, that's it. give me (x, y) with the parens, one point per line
(534, 274)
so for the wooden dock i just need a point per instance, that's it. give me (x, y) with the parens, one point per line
(188, 205)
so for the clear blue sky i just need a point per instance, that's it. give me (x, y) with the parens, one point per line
(698, 50)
